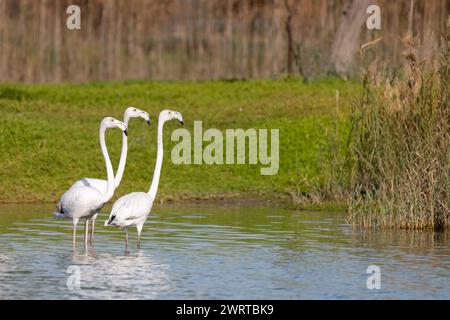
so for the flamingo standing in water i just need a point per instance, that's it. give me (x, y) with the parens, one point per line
(82, 201)
(101, 184)
(133, 209)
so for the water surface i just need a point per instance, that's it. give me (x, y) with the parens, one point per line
(218, 252)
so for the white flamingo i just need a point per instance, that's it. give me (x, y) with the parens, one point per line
(82, 201)
(132, 209)
(101, 184)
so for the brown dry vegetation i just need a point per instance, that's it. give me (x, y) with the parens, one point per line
(203, 39)
(401, 147)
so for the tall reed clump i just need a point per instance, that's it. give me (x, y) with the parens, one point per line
(400, 148)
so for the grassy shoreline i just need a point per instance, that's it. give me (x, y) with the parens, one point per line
(224, 199)
(50, 137)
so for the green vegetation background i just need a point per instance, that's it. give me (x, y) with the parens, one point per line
(49, 135)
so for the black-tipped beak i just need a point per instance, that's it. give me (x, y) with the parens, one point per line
(125, 132)
(182, 123)
(148, 121)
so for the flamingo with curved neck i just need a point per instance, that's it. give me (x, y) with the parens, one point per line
(83, 201)
(133, 209)
(101, 184)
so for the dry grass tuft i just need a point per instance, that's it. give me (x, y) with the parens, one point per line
(400, 144)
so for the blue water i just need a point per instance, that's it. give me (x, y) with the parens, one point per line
(218, 252)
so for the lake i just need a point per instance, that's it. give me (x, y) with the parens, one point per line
(218, 252)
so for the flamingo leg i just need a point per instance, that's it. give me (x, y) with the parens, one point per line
(139, 229)
(91, 239)
(86, 232)
(126, 239)
(74, 237)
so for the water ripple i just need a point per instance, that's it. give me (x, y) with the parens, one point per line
(210, 253)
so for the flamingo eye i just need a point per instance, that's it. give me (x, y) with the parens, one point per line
(134, 110)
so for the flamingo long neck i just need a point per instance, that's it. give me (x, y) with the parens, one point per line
(123, 155)
(109, 169)
(158, 165)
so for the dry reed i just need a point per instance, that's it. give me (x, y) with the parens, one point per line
(400, 144)
(199, 39)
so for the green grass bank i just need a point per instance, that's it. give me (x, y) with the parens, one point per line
(49, 137)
